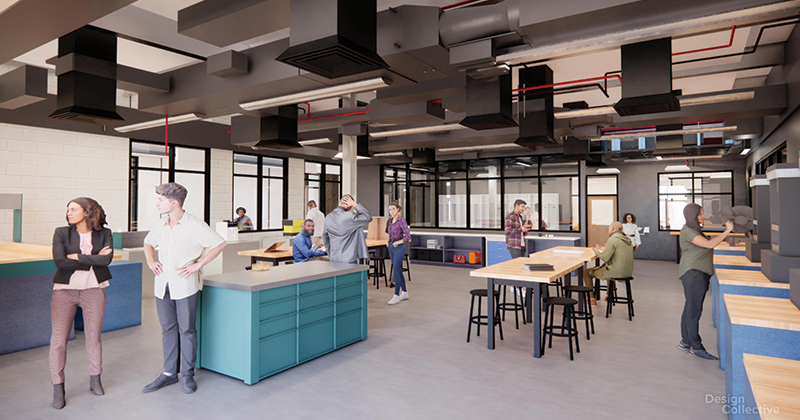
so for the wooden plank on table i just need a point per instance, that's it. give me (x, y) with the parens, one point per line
(776, 385)
(738, 260)
(513, 269)
(764, 312)
(732, 277)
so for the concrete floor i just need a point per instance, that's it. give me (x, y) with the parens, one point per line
(415, 364)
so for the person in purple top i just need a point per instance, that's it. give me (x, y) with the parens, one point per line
(397, 228)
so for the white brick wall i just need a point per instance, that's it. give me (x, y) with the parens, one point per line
(221, 185)
(296, 188)
(50, 167)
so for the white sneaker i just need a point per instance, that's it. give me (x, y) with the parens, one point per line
(395, 300)
(404, 296)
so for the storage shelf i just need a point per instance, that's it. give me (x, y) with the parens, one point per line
(464, 249)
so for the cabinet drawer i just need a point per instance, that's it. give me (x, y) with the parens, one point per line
(348, 291)
(316, 285)
(277, 325)
(320, 298)
(316, 314)
(348, 279)
(277, 353)
(348, 328)
(275, 309)
(315, 340)
(348, 305)
(277, 294)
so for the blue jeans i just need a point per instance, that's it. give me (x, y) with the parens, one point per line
(397, 253)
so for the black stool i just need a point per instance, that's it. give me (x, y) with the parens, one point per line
(613, 298)
(598, 288)
(584, 305)
(476, 319)
(515, 307)
(377, 269)
(568, 327)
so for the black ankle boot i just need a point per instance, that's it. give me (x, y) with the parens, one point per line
(59, 401)
(95, 386)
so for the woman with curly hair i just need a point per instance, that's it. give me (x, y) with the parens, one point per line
(82, 251)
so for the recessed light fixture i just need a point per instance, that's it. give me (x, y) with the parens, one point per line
(160, 122)
(659, 158)
(417, 130)
(339, 156)
(745, 151)
(315, 141)
(676, 168)
(317, 94)
(608, 171)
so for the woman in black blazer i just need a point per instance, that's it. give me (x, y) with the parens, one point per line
(82, 252)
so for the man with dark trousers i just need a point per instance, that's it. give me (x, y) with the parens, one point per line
(516, 230)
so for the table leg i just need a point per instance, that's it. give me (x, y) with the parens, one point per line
(528, 308)
(253, 260)
(490, 309)
(568, 280)
(537, 321)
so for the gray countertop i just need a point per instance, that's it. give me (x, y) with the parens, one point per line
(283, 275)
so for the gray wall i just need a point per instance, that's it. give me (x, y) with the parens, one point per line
(369, 184)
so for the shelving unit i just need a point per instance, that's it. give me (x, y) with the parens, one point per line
(451, 245)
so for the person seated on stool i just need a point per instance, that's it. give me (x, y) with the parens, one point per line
(617, 256)
(304, 249)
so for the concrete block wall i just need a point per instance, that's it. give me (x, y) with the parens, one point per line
(296, 186)
(50, 167)
(221, 200)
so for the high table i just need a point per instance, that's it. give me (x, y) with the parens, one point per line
(728, 262)
(285, 253)
(512, 273)
(774, 385)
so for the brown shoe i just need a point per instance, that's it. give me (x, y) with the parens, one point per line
(593, 301)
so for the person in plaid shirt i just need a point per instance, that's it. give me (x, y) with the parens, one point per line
(516, 230)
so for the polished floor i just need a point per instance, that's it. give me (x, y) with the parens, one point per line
(415, 364)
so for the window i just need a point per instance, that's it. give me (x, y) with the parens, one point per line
(323, 184)
(151, 167)
(712, 190)
(476, 194)
(776, 156)
(258, 187)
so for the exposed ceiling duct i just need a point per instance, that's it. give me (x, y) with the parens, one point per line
(87, 87)
(333, 38)
(473, 23)
(489, 103)
(276, 132)
(224, 22)
(536, 107)
(647, 78)
(576, 149)
(23, 86)
(669, 145)
(423, 158)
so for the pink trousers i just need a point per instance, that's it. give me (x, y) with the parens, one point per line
(63, 306)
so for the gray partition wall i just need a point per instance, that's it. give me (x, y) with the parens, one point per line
(784, 185)
(759, 185)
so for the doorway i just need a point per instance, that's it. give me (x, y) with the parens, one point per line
(601, 207)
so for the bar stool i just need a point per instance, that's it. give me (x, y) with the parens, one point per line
(584, 305)
(405, 265)
(598, 288)
(558, 284)
(377, 269)
(476, 319)
(613, 298)
(568, 327)
(515, 307)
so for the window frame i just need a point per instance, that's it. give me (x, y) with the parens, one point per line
(321, 205)
(260, 185)
(693, 194)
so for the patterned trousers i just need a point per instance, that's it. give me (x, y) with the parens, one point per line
(63, 306)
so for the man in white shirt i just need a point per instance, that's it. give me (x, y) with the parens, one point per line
(181, 240)
(319, 221)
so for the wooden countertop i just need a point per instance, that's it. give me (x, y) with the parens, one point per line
(678, 232)
(562, 264)
(747, 278)
(13, 252)
(738, 260)
(764, 312)
(283, 275)
(776, 385)
(284, 251)
(724, 246)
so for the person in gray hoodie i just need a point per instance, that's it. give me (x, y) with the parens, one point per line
(344, 232)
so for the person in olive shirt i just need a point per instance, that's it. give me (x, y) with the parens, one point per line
(617, 256)
(696, 268)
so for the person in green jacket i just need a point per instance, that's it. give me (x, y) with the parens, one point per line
(617, 256)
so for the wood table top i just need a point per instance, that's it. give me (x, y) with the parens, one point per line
(739, 260)
(14, 252)
(376, 243)
(776, 384)
(678, 232)
(724, 246)
(568, 252)
(767, 312)
(733, 277)
(562, 263)
(284, 251)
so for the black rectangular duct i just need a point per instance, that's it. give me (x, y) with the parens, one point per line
(671, 145)
(576, 149)
(87, 93)
(647, 78)
(423, 158)
(489, 103)
(333, 38)
(535, 108)
(279, 131)
(362, 146)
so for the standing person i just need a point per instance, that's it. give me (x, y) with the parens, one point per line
(617, 256)
(543, 225)
(82, 252)
(319, 221)
(243, 222)
(516, 230)
(303, 249)
(397, 229)
(631, 230)
(181, 240)
(696, 268)
(344, 232)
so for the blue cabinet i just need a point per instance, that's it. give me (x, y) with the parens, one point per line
(496, 252)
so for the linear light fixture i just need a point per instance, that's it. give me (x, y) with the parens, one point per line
(324, 140)
(480, 148)
(608, 171)
(623, 136)
(662, 158)
(417, 130)
(318, 94)
(700, 100)
(745, 151)
(194, 116)
(339, 156)
(676, 168)
(389, 154)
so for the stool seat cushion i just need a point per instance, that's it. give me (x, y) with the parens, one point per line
(556, 300)
(622, 279)
(481, 292)
(579, 288)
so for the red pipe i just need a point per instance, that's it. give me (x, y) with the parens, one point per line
(450, 6)
(308, 110)
(718, 47)
(437, 101)
(334, 116)
(166, 135)
(593, 79)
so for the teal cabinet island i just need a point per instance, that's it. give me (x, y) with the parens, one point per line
(253, 325)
